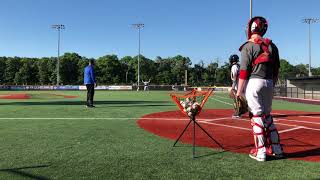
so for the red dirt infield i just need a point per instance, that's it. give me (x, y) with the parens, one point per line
(299, 131)
(15, 96)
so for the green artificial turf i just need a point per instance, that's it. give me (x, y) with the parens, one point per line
(38, 147)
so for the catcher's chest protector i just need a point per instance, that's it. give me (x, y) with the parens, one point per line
(265, 56)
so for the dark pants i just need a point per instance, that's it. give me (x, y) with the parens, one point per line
(90, 94)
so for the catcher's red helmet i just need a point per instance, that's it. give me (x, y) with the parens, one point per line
(257, 25)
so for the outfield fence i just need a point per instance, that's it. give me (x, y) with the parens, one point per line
(295, 92)
(107, 87)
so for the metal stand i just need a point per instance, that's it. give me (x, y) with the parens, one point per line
(193, 119)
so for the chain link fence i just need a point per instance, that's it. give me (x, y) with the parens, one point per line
(295, 92)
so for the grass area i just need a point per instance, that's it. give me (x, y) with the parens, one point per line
(116, 148)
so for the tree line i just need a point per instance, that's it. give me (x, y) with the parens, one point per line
(110, 70)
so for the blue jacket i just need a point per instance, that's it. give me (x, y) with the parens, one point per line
(89, 75)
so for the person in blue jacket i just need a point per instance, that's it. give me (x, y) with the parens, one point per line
(90, 82)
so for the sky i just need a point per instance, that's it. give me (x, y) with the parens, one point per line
(204, 30)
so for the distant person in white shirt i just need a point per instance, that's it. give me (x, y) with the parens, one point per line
(234, 75)
(234, 59)
(174, 87)
(146, 85)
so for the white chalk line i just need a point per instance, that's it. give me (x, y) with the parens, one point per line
(222, 101)
(249, 129)
(217, 119)
(292, 129)
(116, 118)
(282, 119)
(186, 119)
(299, 121)
(295, 127)
(314, 129)
(235, 127)
(200, 120)
(313, 117)
(292, 125)
(209, 121)
(221, 97)
(278, 114)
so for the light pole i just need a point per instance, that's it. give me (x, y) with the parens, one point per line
(138, 26)
(309, 21)
(250, 9)
(247, 28)
(58, 27)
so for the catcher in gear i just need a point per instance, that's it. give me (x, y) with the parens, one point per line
(259, 69)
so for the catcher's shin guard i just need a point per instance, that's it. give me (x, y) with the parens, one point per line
(273, 139)
(258, 127)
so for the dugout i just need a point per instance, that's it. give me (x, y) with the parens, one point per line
(303, 87)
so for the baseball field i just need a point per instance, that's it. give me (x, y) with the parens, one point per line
(130, 135)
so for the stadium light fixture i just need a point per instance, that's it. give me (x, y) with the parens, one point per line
(58, 27)
(138, 26)
(309, 21)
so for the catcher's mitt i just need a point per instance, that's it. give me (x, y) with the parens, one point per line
(232, 93)
(240, 105)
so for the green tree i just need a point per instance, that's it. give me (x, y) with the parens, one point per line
(147, 68)
(197, 74)
(53, 69)
(210, 74)
(28, 73)
(69, 68)
(301, 70)
(163, 71)
(46, 68)
(12, 66)
(128, 65)
(108, 69)
(286, 70)
(180, 64)
(223, 75)
(2, 70)
(315, 71)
